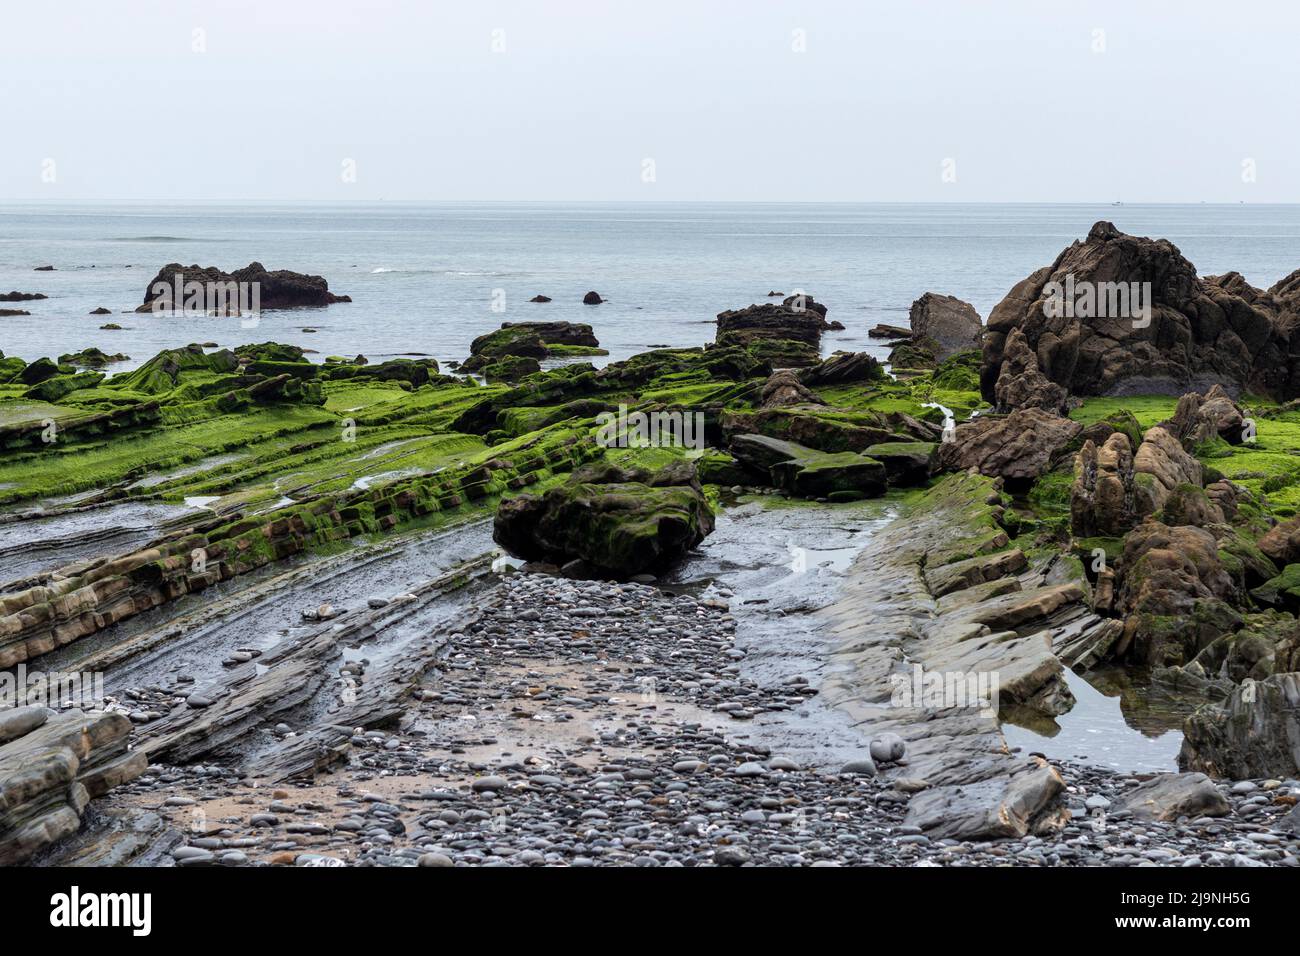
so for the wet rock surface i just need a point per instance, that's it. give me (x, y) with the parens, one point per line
(51, 765)
(594, 724)
(615, 522)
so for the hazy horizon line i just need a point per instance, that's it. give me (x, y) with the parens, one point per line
(637, 202)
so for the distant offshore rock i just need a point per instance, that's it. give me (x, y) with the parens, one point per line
(592, 298)
(281, 289)
(21, 296)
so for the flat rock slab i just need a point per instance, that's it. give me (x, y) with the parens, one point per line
(50, 773)
(985, 567)
(994, 809)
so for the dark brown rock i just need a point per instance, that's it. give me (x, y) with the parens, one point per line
(948, 322)
(280, 289)
(1021, 445)
(1195, 332)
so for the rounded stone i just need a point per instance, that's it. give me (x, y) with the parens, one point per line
(887, 748)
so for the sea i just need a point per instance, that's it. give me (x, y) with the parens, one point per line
(426, 278)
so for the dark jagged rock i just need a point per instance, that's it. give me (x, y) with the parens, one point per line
(510, 368)
(783, 388)
(883, 330)
(280, 289)
(788, 335)
(92, 358)
(1198, 418)
(843, 368)
(540, 298)
(101, 311)
(38, 371)
(1255, 733)
(617, 522)
(592, 298)
(1021, 384)
(1174, 591)
(1020, 446)
(533, 340)
(906, 463)
(946, 321)
(1189, 334)
(21, 296)
(1102, 499)
(12, 313)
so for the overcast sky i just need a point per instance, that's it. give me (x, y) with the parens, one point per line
(697, 100)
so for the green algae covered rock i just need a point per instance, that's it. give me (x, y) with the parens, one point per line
(906, 462)
(719, 468)
(845, 474)
(511, 368)
(1282, 590)
(38, 371)
(54, 389)
(617, 522)
(810, 473)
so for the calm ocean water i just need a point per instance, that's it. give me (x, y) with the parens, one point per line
(423, 276)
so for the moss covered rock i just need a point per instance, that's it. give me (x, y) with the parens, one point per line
(906, 462)
(616, 522)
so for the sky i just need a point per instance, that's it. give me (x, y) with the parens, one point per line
(713, 100)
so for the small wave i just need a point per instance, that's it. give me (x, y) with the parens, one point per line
(149, 239)
(375, 272)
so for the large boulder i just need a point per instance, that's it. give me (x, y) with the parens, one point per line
(1174, 593)
(1161, 465)
(906, 462)
(280, 289)
(1102, 501)
(788, 335)
(1199, 418)
(843, 368)
(1255, 733)
(1168, 796)
(529, 340)
(1282, 542)
(783, 389)
(616, 522)
(946, 321)
(51, 765)
(1187, 334)
(1019, 446)
(1027, 801)
(810, 473)
(1020, 382)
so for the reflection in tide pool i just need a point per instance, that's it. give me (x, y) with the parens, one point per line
(1097, 730)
